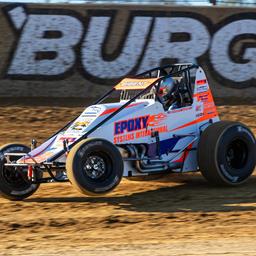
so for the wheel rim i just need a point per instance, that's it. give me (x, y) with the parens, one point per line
(13, 177)
(237, 154)
(95, 167)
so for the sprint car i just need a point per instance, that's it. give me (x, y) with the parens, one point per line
(135, 136)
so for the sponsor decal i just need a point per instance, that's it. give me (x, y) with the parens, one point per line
(80, 125)
(201, 82)
(93, 110)
(59, 142)
(132, 83)
(139, 134)
(155, 120)
(203, 97)
(199, 114)
(54, 43)
(179, 110)
(199, 108)
(135, 84)
(68, 139)
(131, 125)
(139, 127)
(202, 88)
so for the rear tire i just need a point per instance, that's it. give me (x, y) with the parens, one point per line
(227, 153)
(94, 166)
(12, 185)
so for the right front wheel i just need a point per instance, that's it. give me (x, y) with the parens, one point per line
(94, 166)
(227, 153)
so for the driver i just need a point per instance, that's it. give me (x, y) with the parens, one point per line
(166, 92)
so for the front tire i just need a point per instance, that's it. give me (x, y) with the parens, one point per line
(94, 166)
(227, 153)
(12, 185)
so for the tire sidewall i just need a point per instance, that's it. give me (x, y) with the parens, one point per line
(114, 168)
(228, 174)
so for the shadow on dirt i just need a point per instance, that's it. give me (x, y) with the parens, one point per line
(192, 195)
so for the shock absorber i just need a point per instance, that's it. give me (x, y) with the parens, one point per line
(30, 173)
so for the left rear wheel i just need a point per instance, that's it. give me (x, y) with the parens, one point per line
(13, 182)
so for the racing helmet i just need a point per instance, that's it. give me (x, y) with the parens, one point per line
(165, 89)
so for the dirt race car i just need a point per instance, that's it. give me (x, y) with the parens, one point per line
(165, 120)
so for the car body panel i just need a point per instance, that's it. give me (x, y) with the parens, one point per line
(178, 129)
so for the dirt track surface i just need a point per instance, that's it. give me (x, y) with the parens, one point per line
(175, 215)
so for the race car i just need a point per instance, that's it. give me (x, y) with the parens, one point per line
(165, 120)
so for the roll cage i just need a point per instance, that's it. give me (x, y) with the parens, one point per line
(181, 73)
(159, 73)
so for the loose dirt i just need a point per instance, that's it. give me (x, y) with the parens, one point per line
(175, 215)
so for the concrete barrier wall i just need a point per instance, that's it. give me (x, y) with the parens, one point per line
(80, 50)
